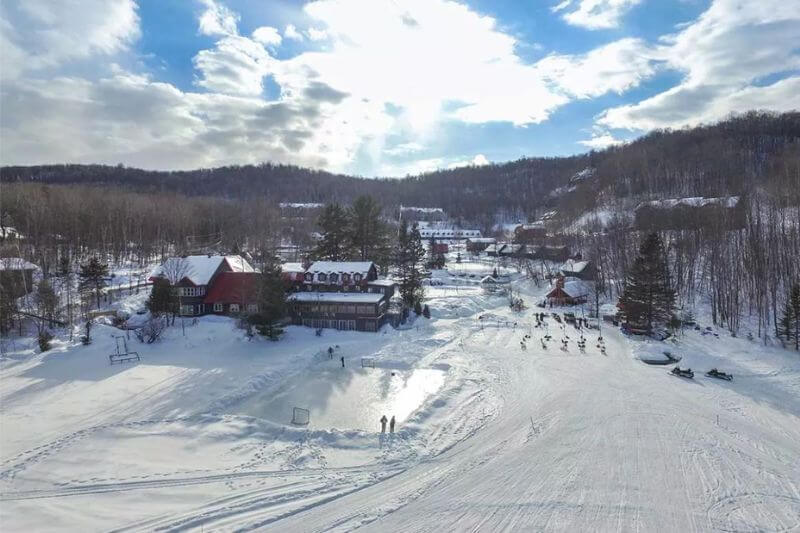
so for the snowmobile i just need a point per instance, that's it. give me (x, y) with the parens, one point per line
(682, 372)
(714, 373)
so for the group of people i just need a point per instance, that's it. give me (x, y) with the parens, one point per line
(383, 424)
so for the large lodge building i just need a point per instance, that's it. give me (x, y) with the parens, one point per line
(327, 294)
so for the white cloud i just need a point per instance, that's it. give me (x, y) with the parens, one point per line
(595, 14)
(236, 65)
(722, 55)
(217, 19)
(404, 149)
(477, 161)
(598, 142)
(267, 35)
(317, 35)
(615, 67)
(291, 33)
(48, 33)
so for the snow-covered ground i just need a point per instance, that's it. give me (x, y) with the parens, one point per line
(490, 435)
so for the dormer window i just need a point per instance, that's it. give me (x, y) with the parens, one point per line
(322, 276)
(345, 278)
(334, 278)
(309, 276)
(356, 277)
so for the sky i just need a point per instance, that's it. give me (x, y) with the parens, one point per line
(377, 87)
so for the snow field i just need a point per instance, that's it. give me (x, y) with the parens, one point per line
(492, 436)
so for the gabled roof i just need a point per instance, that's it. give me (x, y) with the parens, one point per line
(573, 289)
(293, 268)
(382, 282)
(16, 263)
(574, 266)
(200, 268)
(233, 288)
(361, 267)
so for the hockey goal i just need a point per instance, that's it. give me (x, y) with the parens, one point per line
(367, 362)
(300, 416)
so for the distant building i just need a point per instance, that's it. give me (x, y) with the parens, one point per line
(232, 293)
(479, 244)
(551, 253)
(584, 270)
(439, 248)
(568, 292)
(532, 233)
(16, 276)
(344, 276)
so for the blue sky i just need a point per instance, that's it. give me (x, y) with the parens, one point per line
(379, 87)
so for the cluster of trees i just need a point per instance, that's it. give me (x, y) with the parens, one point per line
(354, 233)
(648, 297)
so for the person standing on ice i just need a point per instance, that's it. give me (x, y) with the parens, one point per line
(383, 424)
(342, 361)
(391, 425)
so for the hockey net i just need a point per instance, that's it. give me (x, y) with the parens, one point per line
(300, 416)
(367, 362)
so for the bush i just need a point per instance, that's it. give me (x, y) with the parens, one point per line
(151, 331)
(44, 340)
(417, 308)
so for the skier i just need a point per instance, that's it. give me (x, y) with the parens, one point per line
(330, 352)
(342, 361)
(391, 425)
(383, 424)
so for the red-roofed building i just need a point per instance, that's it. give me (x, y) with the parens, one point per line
(232, 293)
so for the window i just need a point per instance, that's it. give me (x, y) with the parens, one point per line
(191, 291)
(218, 308)
(334, 278)
(199, 309)
(356, 277)
(322, 276)
(252, 308)
(308, 276)
(234, 308)
(187, 309)
(345, 278)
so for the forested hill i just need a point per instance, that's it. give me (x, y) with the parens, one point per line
(727, 158)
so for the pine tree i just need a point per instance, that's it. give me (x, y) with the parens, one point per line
(335, 244)
(417, 308)
(271, 300)
(366, 229)
(426, 311)
(408, 258)
(92, 276)
(163, 299)
(46, 302)
(648, 297)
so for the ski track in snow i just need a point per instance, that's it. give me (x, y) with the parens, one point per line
(536, 439)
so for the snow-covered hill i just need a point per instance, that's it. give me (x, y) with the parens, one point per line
(491, 435)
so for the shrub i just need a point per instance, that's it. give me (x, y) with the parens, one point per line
(44, 340)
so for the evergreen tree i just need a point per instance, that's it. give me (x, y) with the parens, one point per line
(426, 312)
(271, 300)
(365, 227)
(8, 309)
(335, 243)
(408, 258)
(648, 297)
(92, 277)
(163, 299)
(789, 325)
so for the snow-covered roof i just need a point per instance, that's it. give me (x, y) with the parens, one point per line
(575, 288)
(16, 263)
(382, 282)
(345, 297)
(531, 225)
(511, 248)
(490, 240)
(294, 268)
(608, 309)
(361, 267)
(422, 209)
(574, 266)
(200, 268)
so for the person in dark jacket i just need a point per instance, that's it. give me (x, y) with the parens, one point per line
(391, 425)
(383, 424)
